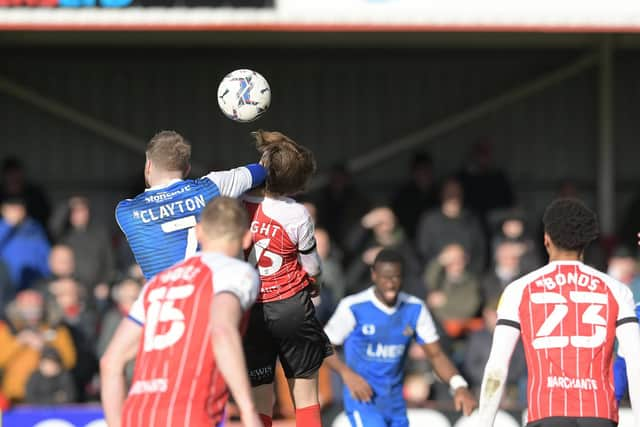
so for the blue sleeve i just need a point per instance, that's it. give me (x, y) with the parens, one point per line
(258, 174)
(620, 378)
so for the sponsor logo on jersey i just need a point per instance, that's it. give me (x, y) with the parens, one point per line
(385, 351)
(154, 385)
(572, 383)
(368, 329)
(159, 197)
(408, 331)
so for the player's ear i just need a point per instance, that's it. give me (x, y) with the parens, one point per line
(187, 171)
(373, 273)
(199, 233)
(247, 241)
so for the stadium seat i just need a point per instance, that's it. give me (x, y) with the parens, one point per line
(503, 419)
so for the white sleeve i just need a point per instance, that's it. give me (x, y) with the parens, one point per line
(509, 306)
(136, 312)
(240, 279)
(426, 332)
(311, 262)
(626, 305)
(305, 234)
(341, 324)
(233, 182)
(505, 339)
(628, 335)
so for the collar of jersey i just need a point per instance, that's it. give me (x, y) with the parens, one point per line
(381, 306)
(569, 261)
(161, 186)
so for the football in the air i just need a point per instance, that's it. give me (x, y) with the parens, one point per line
(244, 95)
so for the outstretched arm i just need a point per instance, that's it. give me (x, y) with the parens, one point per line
(505, 339)
(121, 349)
(358, 386)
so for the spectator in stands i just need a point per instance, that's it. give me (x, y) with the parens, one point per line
(623, 266)
(29, 327)
(513, 228)
(451, 223)
(340, 204)
(61, 265)
(95, 263)
(417, 195)
(453, 292)
(68, 295)
(51, 384)
(24, 247)
(124, 295)
(477, 355)
(485, 186)
(7, 289)
(506, 269)
(14, 184)
(378, 230)
(333, 276)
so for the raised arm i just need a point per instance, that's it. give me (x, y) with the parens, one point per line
(236, 181)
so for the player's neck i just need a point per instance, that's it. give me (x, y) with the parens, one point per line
(565, 256)
(231, 248)
(161, 179)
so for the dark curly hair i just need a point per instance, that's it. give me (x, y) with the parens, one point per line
(388, 255)
(570, 224)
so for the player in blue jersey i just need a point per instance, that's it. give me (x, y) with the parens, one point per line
(620, 379)
(160, 223)
(376, 327)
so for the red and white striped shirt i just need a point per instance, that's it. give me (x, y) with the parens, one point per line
(176, 382)
(281, 230)
(567, 314)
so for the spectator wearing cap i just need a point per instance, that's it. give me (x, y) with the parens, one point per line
(51, 384)
(24, 246)
(28, 329)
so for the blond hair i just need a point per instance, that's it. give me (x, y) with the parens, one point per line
(224, 217)
(169, 151)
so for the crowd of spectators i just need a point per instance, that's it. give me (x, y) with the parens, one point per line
(64, 286)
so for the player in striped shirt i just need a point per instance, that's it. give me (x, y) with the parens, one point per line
(283, 324)
(159, 223)
(568, 315)
(185, 328)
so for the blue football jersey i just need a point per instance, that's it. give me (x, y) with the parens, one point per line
(159, 223)
(376, 340)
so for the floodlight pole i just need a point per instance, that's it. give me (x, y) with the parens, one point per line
(606, 159)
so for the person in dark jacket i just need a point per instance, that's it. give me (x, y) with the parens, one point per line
(452, 223)
(71, 225)
(14, 183)
(51, 384)
(24, 247)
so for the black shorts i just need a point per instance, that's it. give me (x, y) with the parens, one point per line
(285, 329)
(573, 422)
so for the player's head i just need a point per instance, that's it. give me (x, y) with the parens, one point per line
(289, 165)
(223, 226)
(569, 226)
(386, 274)
(168, 156)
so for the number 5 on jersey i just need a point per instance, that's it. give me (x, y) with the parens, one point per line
(259, 250)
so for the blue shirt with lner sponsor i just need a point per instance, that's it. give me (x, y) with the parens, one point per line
(376, 340)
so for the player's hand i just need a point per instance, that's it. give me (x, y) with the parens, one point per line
(464, 401)
(358, 387)
(314, 286)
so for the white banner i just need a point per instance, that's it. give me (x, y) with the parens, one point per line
(330, 15)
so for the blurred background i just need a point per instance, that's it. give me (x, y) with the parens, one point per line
(442, 130)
